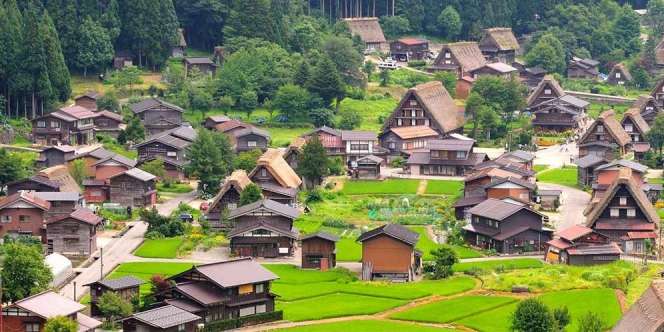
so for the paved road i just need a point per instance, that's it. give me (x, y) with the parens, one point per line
(556, 156)
(118, 251)
(572, 203)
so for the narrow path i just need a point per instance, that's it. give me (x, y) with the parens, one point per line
(422, 188)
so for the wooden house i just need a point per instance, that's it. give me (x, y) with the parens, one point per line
(89, 157)
(369, 31)
(162, 319)
(23, 214)
(512, 188)
(97, 189)
(263, 229)
(60, 175)
(157, 115)
(637, 128)
(330, 138)
(212, 121)
(367, 167)
(463, 87)
(349, 145)
(388, 253)
(608, 173)
(549, 199)
(272, 169)
(586, 166)
(228, 199)
(249, 139)
(33, 183)
(506, 226)
(498, 69)
(319, 251)
(605, 138)
(87, 100)
(127, 288)
(619, 75)
(547, 89)
(580, 245)
(427, 104)
(74, 234)
(203, 65)
(583, 68)
(55, 155)
(62, 203)
(519, 158)
(169, 146)
(625, 214)
(238, 288)
(658, 94)
(559, 114)
(531, 76)
(499, 44)
(32, 312)
(108, 123)
(135, 188)
(407, 49)
(231, 126)
(647, 313)
(648, 107)
(294, 152)
(445, 157)
(460, 58)
(71, 125)
(399, 140)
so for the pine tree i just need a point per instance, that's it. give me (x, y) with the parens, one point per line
(57, 69)
(65, 17)
(325, 81)
(302, 74)
(314, 162)
(251, 19)
(95, 48)
(35, 61)
(110, 20)
(10, 42)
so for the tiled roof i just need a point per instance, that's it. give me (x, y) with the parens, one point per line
(595, 249)
(81, 214)
(149, 103)
(203, 292)
(199, 61)
(49, 304)
(137, 173)
(450, 145)
(574, 232)
(396, 231)
(165, 317)
(270, 205)
(235, 272)
(497, 209)
(408, 132)
(322, 235)
(58, 196)
(357, 135)
(120, 283)
(589, 160)
(109, 114)
(624, 163)
(26, 197)
(517, 181)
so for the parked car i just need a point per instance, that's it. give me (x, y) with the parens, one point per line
(388, 63)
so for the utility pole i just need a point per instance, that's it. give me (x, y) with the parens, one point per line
(101, 261)
(74, 290)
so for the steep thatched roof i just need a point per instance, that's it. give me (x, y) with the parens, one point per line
(621, 68)
(549, 81)
(634, 114)
(615, 129)
(468, 54)
(368, 28)
(502, 38)
(274, 162)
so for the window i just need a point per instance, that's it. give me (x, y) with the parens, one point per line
(461, 154)
(547, 91)
(6, 219)
(412, 122)
(171, 154)
(615, 213)
(399, 122)
(413, 113)
(413, 102)
(392, 145)
(448, 62)
(181, 328)
(600, 129)
(435, 154)
(32, 327)
(247, 311)
(259, 288)
(628, 127)
(231, 206)
(23, 218)
(251, 144)
(623, 200)
(631, 213)
(41, 124)
(245, 289)
(263, 172)
(55, 124)
(261, 308)
(617, 75)
(448, 55)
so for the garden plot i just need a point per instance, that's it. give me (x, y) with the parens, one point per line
(367, 326)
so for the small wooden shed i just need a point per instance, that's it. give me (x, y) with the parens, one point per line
(368, 167)
(127, 288)
(319, 251)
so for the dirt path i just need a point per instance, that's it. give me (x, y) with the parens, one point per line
(422, 188)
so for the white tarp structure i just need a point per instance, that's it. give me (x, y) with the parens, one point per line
(61, 268)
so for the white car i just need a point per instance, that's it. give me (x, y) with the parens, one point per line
(388, 64)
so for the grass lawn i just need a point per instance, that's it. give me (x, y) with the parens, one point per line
(566, 176)
(367, 326)
(145, 271)
(444, 187)
(371, 111)
(641, 283)
(539, 168)
(280, 137)
(602, 301)
(453, 309)
(291, 274)
(336, 305)
(508, 264)
(178, 188)
(496, 320)
(159, 248)
(349, 250)
(386, 187)
(426, 245)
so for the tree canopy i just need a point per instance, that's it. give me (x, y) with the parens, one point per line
(24, 271)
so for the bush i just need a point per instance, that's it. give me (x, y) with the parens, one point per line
(397, 162)
(313, 195)
(532, 315)
(356, 93)
(235, 323)
(590, 322)
(349, 120)
(336, 223)
(336, 166)
(417, 63)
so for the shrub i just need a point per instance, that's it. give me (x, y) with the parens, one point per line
(398, 162)
(336, 166)
(417, 63)
(590, 322)
(532, 315)
(336, 223)
(444, 258)
(349, 120)
(313, 195)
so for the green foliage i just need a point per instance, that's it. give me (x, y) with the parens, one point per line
(161, 226)
(251, 193)
(532, 315)
(567, 176)
(336, 166)
(325, 80)
(590, 322)
(134, 132)
(78, 171)
(155, 167)
(113, 307)
(247, 102)
(349, 120)
(12, 167)
(444, 258)
(384, 77)
(126, 77)
(60, 324)
(346, 59)
(95, 49)
(211, 159)
(453, 309)
(313, 163)
(109, 101)
(293, 101)
(449, 80)
(561, 317)
(394, 26)
(24, 271)
(159, 248)
(247, 160)
(656, 134)
(547, 53)
(321, 117)
(449, 22)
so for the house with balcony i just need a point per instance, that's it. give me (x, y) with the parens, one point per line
(445, 157)
(73, 125)
(349, 145)
(108, 123)
(23, 214)
(169, 146)
(407, 49)
(157, 115)
(460, 58)
(507, 227)
(625, 214)
(231, 289)
(559, 114)
(637, 128)
(404, 140)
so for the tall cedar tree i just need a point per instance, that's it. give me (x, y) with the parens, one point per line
(314, 163)
(251, 19)
(211, 159)
(325, 81)
(149, 29)
(24, 272)
(65, 16)
(95, 49)
(203, 20)
(57, 68)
